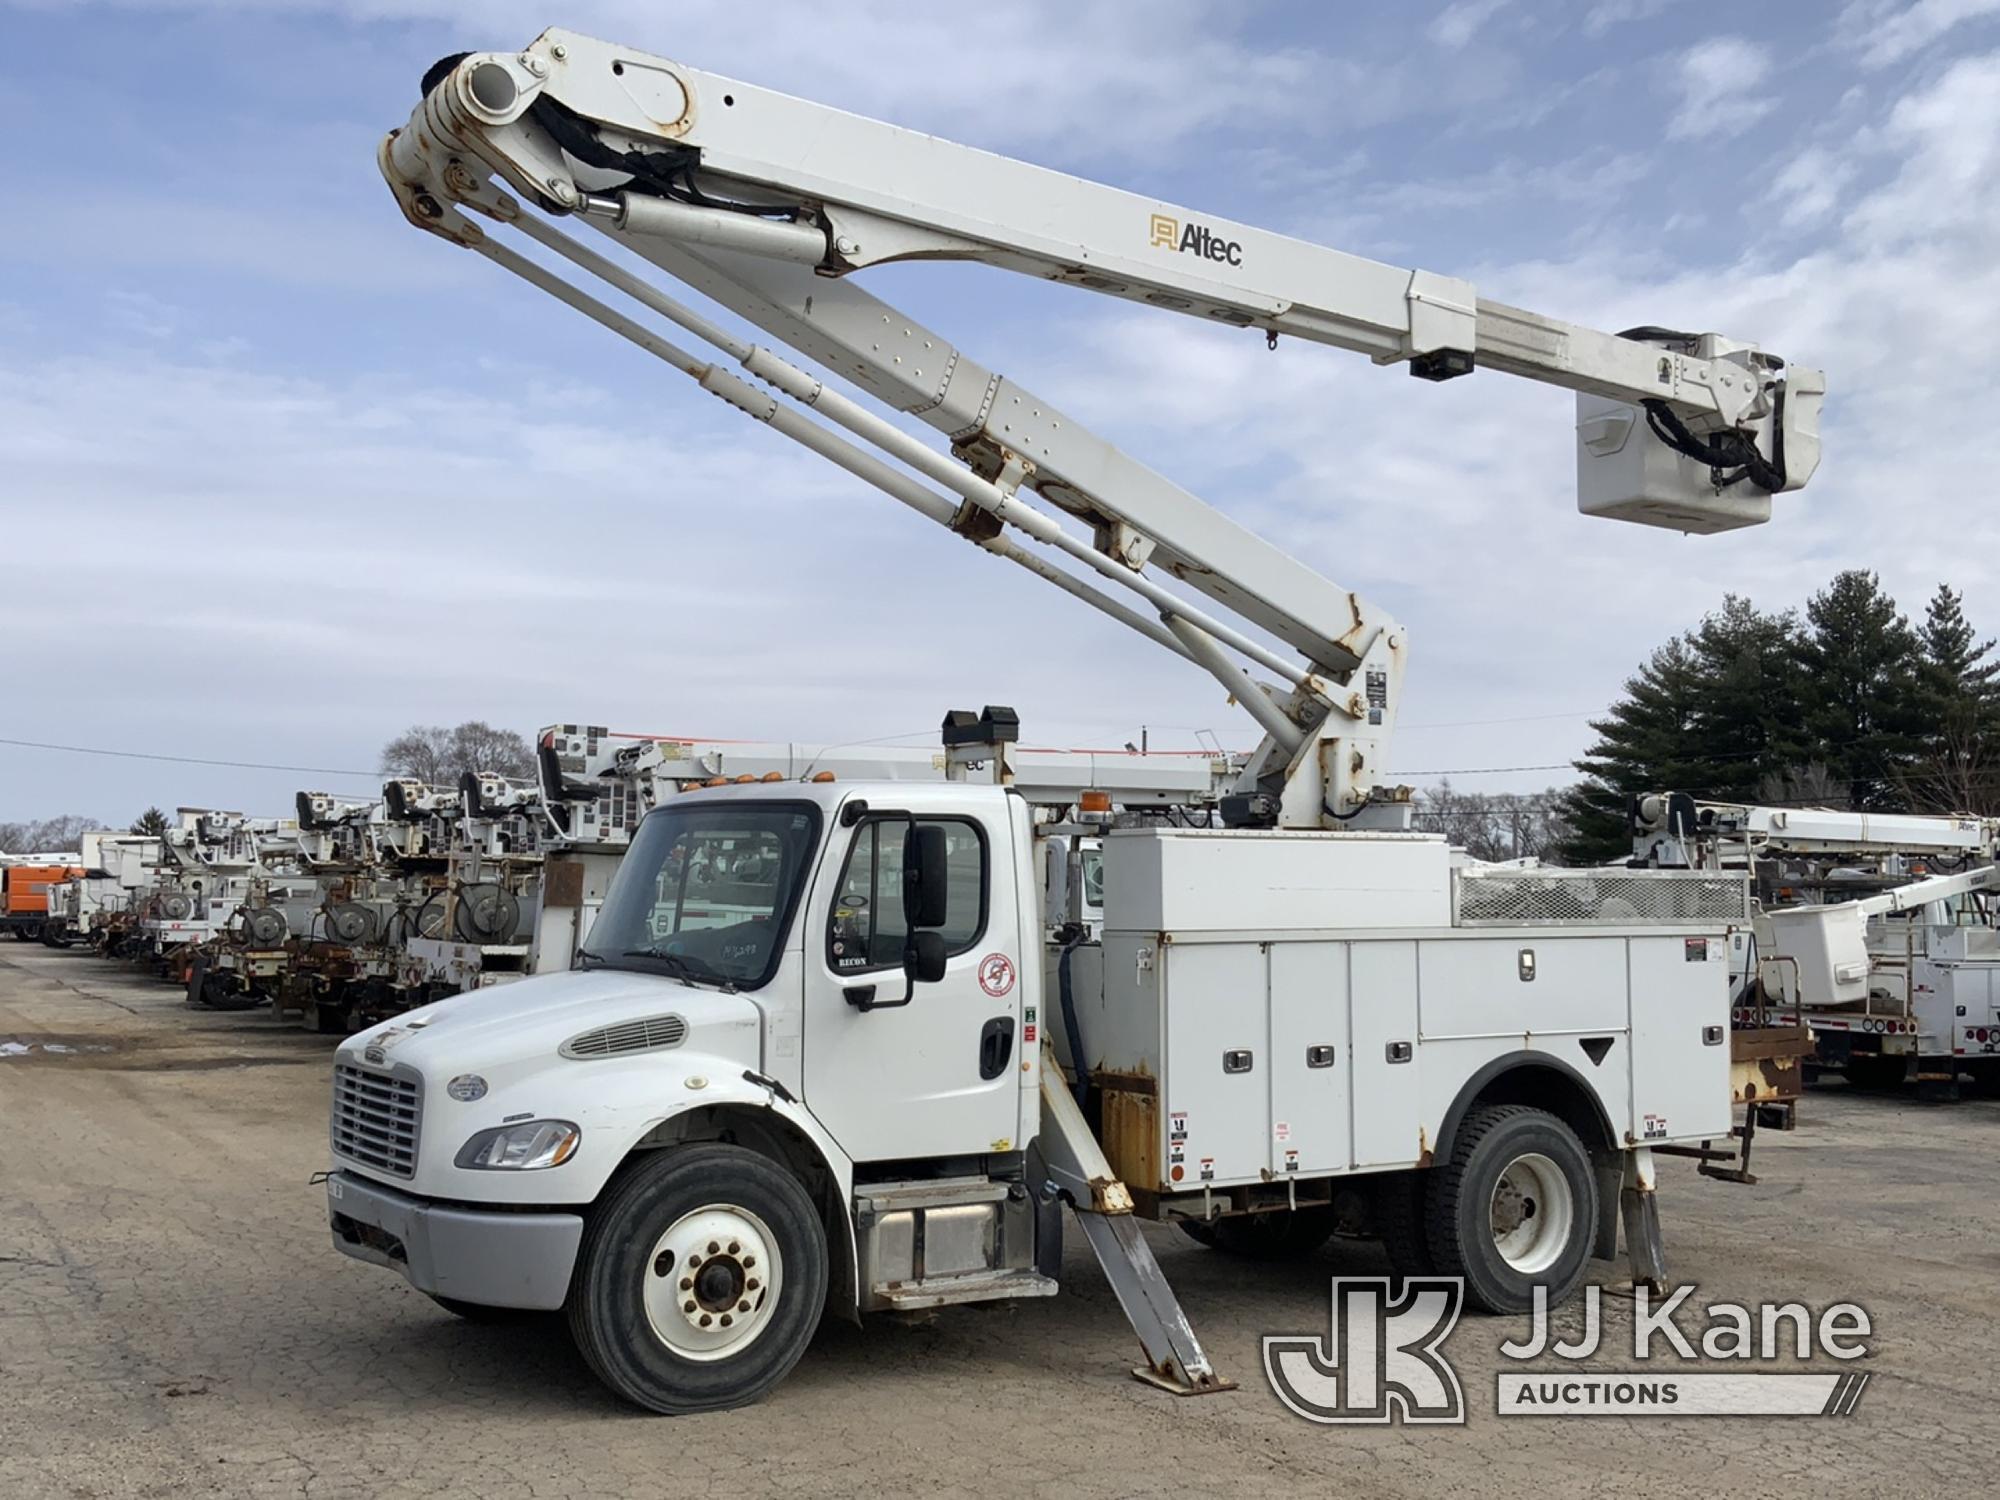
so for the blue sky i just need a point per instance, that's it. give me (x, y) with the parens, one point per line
(283, 476)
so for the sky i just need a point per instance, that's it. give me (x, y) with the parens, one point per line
(280, 476)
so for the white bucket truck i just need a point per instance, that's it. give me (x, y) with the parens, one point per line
(801, 1066)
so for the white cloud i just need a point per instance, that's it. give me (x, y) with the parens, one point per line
(1603, 16)
(1717, 81)
(1459, 22)
(1813, 184)
(1887, 31)
(1099, 79)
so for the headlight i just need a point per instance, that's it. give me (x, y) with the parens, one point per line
(521, 1148)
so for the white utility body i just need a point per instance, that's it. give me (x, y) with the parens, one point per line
(1878, 931)
(803, 1064)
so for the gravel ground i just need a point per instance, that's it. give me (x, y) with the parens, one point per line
(173, 1321)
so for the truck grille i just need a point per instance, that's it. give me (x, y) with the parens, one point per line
(375, 1118)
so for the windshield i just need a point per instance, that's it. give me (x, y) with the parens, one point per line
(707, 893)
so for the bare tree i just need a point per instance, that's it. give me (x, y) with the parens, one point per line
(439, 756)
(1958, 774)
(478, 746)
(1496, 825)
(57, 835)
(421, 751)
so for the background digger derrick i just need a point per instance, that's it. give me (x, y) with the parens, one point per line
(485, 932)
(1896, 978)
(367, 893)
(208, 859)
(838, 1096)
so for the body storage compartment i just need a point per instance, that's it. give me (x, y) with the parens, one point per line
(1301, 1005)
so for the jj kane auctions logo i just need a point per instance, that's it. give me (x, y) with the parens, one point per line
(1382, 1359)
(1195, 239)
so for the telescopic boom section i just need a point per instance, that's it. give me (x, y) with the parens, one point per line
(765, 204)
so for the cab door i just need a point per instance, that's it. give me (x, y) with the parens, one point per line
(938, 1074)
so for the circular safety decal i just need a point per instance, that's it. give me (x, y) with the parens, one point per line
(996, 974)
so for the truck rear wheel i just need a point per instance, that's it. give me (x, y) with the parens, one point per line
(1514, 1208)
(700, 1280)
(1400, 1222)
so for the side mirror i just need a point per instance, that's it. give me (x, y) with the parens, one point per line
(926, 896)
(923, 956)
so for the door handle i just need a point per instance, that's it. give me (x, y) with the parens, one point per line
(996, 1046)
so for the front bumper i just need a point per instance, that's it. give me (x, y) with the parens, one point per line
(492, 1258)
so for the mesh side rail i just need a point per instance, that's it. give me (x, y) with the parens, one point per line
(1493, 898)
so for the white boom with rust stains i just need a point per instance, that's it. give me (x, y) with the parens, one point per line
(767, 203)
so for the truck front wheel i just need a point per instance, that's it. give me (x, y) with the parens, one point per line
(699, 1281)
(1515, 1207)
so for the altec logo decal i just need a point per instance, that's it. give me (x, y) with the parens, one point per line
(1195, 239)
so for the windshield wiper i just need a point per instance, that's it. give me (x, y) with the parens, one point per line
(586, 957)
(683, 967)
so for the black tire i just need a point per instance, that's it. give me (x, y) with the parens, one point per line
(1400, 1202)
(214, 992)
(330, 1017)
(479, 1312)
(1867, 1071)
(1460, 1210)
(608, 1312)
(1281, 1234)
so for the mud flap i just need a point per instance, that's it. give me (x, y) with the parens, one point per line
(1643, 1243)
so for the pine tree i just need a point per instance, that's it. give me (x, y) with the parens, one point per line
(1648, 742)
(1961, 710)
(1747, 720)
(1861, 689)
(151, 821)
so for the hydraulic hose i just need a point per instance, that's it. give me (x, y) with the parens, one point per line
(1067, 993)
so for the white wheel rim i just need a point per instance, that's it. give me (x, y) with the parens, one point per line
(712, 1282)
(1533, 1212)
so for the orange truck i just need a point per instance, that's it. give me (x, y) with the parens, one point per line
(24, 897)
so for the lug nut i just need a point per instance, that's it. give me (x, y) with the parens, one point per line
(743, 1307)
(687, 1307)
(725, 1320)
(687, 1283)
(750, 1284)
(713, 1247)
(734, 1247)
(749, 1261)
(706, 1320)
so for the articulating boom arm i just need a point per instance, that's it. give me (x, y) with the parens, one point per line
(765, 203)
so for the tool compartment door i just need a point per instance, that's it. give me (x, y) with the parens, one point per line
(1218, 1062)
(1680, 1038)
(1309, 1059)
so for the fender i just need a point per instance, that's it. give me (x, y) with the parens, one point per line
(1507, 1063)
(726, 1083)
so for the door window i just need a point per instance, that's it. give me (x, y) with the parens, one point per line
(867, 930)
